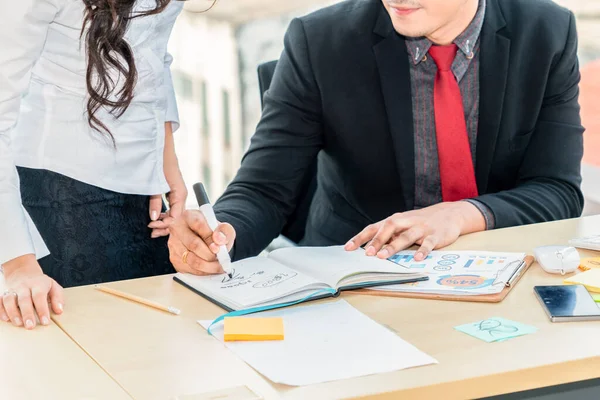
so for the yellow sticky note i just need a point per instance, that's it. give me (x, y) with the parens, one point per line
(590, 279)
(589, 263)
(253, 329)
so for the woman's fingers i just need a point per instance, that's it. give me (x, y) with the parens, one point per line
(3, 314)
(25, 303)
(12, 308)
(56, 297)
(156, 233)
(156, 204)
(39, 296)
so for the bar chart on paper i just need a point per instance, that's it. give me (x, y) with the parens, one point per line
(442, 261)
(408, 260)
(465, 272)
(477, 261)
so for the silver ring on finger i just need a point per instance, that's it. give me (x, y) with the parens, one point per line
(9, 292)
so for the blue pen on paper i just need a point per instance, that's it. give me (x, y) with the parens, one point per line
(211, 219)
(496, 329)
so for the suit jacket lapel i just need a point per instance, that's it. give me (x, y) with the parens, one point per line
(493, 73)
(392, 61)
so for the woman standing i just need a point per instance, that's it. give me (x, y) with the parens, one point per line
(87, 115)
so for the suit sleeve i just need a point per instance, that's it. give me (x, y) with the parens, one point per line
(288, 138)
(549, 190)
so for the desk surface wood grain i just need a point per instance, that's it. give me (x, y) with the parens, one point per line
(46, 364)
(154, 355)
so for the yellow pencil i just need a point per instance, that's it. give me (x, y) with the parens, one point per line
(140, 300)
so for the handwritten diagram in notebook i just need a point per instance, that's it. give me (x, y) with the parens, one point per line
(291, 274)
(459, 272)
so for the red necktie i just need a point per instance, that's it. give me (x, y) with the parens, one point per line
(454, 151)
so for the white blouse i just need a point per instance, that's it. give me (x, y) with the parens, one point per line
(43, 118)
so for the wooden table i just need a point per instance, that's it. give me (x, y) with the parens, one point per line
(154, 355)
(46, 364)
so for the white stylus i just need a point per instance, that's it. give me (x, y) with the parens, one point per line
(209, 213)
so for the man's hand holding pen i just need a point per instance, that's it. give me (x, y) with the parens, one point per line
(199, 244)
(194, 245)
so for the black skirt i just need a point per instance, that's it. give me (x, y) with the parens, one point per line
(94, 235)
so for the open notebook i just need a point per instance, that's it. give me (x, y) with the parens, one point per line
(295, 273)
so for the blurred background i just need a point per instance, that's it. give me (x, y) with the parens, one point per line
(216, 55)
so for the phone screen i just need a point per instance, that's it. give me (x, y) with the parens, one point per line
(568, 301)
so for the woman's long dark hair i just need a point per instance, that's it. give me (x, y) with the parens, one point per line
(106, 22)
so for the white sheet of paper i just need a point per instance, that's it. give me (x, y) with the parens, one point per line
(325, 342)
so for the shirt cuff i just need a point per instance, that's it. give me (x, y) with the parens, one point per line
(488, 215)
(21, 237)
(39, 246)
(172, 114)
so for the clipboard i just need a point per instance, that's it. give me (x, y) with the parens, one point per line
(482, 298)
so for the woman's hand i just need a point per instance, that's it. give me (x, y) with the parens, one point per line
(28, 293)
(177, 194)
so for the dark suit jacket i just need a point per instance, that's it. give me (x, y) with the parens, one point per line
(342, 91)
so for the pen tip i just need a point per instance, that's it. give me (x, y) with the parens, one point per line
(230, 275)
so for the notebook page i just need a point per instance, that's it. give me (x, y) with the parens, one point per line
(332, 264)
(255, 281)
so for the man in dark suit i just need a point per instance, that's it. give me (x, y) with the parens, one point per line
(430, 119)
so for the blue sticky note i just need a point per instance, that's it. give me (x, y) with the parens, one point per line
(496, 329)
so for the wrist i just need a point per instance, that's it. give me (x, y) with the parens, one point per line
(177, 184)
(177, 191)
(470, 218)
(21, 263)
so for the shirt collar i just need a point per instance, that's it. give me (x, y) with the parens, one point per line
(418, 47)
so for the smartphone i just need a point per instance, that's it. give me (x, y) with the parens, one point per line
(566, 303)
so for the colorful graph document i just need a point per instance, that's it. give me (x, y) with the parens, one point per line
(459, 272)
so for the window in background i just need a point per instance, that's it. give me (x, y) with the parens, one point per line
(184, 85)
(204, 105)
(206, 176)
(206, 135)
(226, 119)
